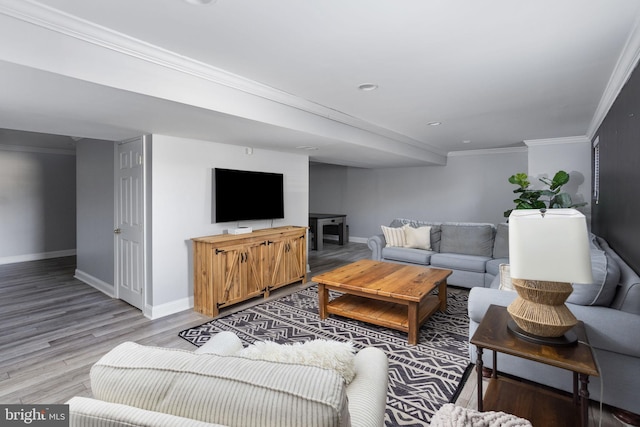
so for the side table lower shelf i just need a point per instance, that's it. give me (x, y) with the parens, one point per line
(541, 406)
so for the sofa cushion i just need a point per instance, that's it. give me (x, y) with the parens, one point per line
(501, 243)
(462, 262)
(410, 255)
(418, 238)
(84, 411)
(468, 239)
(226, 390)
(606, 275)
(394, 236)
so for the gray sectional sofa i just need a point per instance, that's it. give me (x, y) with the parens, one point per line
(473, 251)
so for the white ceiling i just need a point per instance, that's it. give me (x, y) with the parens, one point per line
(284, 74)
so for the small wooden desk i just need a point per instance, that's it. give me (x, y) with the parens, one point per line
(395, 296)
(539, 405)
(318, 221)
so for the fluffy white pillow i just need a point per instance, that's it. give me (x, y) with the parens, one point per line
(394, 236)
(327, 354)
(419, 238)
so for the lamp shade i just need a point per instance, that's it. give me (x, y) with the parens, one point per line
(551, 245)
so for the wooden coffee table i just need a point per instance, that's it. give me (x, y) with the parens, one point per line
(395, 296)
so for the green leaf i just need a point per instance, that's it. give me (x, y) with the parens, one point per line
(559, 179)
(520, 179)
(561, 200)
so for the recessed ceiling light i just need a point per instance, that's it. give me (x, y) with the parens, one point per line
(368, 86)
(466, 141)
(434, 123)
(200, 2)
(307, 147)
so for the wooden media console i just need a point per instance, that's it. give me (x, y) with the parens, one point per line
(230, 268)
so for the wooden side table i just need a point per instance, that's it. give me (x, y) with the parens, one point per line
(540, 405)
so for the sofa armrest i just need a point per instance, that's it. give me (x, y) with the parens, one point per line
(376, 243)
(367, 393)
(84, 411)
(610, 329)
(481, 298)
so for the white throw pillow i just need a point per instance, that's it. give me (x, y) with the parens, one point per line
(327, 354)
(394, 236)
(505, 278)
(419, 238)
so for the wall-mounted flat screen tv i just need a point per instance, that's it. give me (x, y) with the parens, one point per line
(247, 195)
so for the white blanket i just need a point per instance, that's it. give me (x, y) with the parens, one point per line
(451, 415)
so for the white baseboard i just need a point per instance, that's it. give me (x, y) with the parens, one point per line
(36, 257)
(94, 282)
(162, 310)
(151, 312)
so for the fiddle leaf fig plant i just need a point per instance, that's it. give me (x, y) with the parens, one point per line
(552, 197)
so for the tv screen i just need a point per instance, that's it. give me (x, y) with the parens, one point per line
(247, 195)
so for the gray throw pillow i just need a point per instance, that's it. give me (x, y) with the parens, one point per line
(606, 276)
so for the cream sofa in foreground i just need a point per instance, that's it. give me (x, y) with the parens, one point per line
(135, 385)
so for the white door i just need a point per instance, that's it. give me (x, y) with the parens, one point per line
(129, 229)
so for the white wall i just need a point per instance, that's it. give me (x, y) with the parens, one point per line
(95, 213)
(573, 155)
(472, 187)
(181, 206)
(37, 204)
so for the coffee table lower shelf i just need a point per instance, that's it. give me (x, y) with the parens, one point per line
(541, 406)
(382, 313)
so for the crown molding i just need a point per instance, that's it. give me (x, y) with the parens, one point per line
(63, 23)
(41, 150)
(556, 141)
(627, 62)
(487, 152)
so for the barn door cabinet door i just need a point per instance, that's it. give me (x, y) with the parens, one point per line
(287, 260)
(238, 273)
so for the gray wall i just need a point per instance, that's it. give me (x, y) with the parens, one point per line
(37, 204)
(95, 201)
(471, 187)
(615, 217)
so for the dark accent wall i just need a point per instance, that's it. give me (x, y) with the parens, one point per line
(616, 217)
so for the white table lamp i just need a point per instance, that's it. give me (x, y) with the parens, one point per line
(548, 250)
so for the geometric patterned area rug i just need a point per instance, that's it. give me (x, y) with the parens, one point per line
(422, 378)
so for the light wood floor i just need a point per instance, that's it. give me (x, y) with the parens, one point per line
(53, 328)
